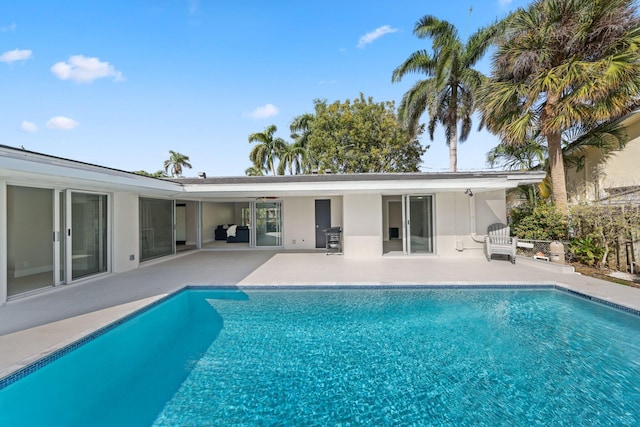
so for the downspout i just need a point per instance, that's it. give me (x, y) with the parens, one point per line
(472, 216)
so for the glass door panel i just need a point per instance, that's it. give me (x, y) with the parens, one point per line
(59, 240)
(30, 249)
(88, 234)
(268, 224)
(420, 224)
(156, 228)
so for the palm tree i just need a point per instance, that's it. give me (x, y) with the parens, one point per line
(291, 158)
(176, 162)
(560, 64)
(300, 131)
(529, 156)
(264, 154)
(254, 171)
(449, 92)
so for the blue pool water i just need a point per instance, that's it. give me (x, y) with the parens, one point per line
(346, 357)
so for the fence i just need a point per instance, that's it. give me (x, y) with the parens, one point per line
(622, 257)
(540, 249)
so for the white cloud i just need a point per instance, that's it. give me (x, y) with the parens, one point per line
(16, 55)
(375, 34)
(61, 123)
(504, 3)
(8, 28)
(28, 127)
(264, 112)
(83, 69)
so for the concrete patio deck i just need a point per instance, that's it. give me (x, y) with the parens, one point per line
(35, 326)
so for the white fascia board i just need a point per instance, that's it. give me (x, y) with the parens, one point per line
(344, 187)
(528, 178)
(56, 171)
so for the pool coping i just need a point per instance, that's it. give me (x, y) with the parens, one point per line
(30, 368)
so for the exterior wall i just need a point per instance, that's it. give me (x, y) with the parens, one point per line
(452, 223)
(621, 167)
(298, 214)
(125, 232)
(455, 224)
(490, 207)
(618, 169)
(362, 225)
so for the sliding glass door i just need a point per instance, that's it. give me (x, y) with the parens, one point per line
(54, 236)
(156, 228)
(30, 243)
(419, 220)
(268, 224)
(88, 234)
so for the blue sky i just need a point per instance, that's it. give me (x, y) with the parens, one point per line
(119, 83)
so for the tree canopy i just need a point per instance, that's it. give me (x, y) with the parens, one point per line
(360, 136)
(561, 65)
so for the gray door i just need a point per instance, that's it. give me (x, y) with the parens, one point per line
(323, 221)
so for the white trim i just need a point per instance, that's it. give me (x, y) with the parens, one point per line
(3, 241)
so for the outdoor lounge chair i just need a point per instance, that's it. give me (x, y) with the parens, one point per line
(498, 241)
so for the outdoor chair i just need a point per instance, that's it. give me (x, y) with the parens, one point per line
(499, 242)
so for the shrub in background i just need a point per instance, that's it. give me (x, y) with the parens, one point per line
(540, 222)
(597, 228)
(587, 251)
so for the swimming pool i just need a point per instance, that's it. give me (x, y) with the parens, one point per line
(347, 356)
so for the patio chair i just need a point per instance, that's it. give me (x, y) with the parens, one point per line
(499, 242)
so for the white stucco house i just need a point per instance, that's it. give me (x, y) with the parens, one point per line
(63, 221)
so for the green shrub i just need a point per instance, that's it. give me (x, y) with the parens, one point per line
(541, 222)
(587, 251)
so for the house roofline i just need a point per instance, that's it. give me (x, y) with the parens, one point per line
(68, 172)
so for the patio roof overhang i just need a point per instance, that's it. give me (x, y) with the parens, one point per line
(24, 167)
(331, 185)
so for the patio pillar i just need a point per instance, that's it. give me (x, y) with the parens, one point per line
(362, 225)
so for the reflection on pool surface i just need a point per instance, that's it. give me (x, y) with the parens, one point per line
(347, 356)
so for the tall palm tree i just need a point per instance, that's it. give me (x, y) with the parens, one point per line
(268, 149)
(449, 92)
(291, 158)
(561, 64)
(300, 128)
(176, 162)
